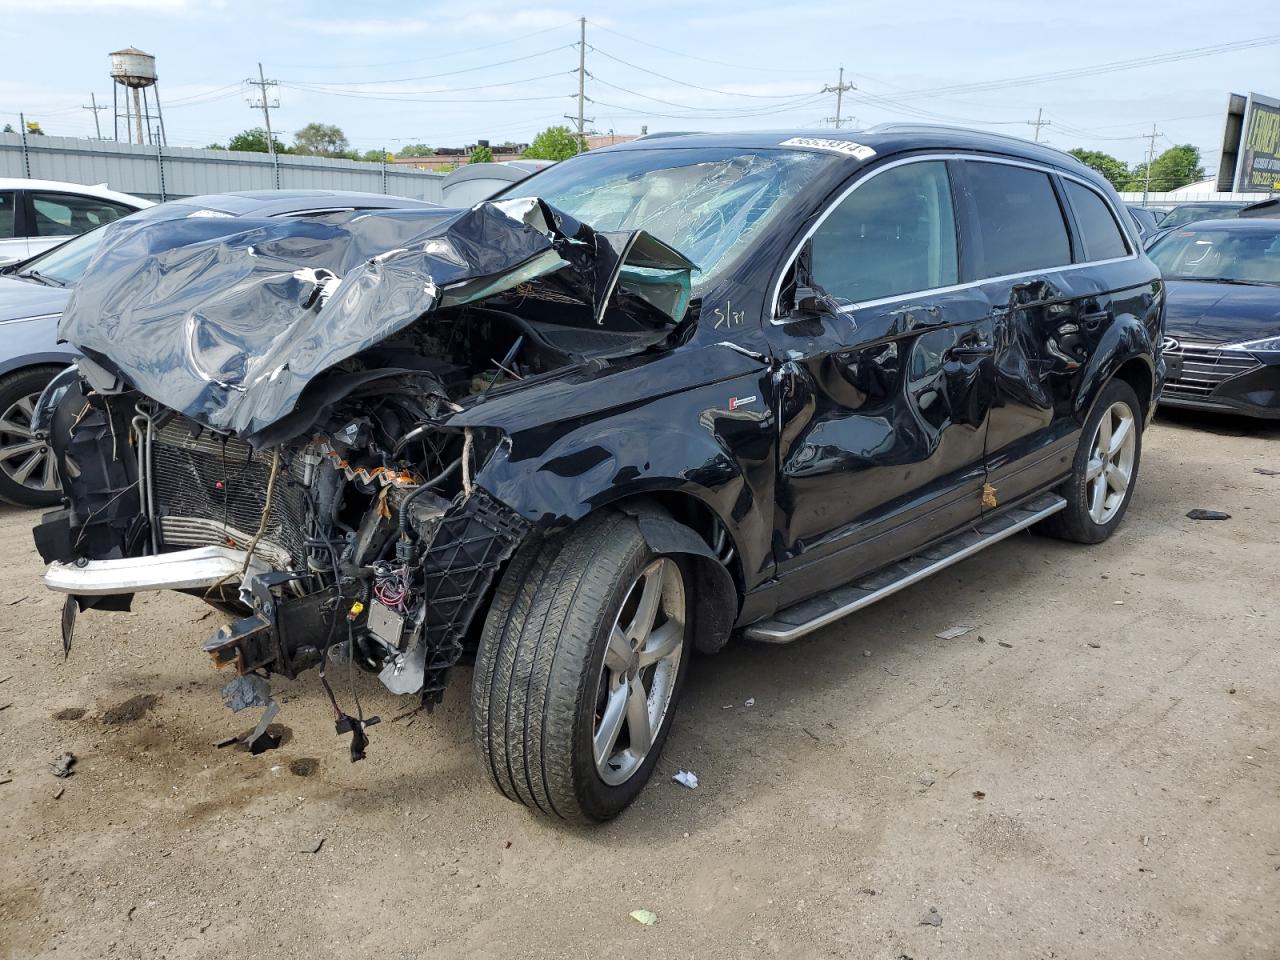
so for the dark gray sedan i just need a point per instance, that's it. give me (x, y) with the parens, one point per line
(34, 292)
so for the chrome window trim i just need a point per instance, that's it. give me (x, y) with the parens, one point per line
(1133, 254)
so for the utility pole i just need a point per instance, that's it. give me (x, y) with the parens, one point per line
(266, 105)
(1039, 122)
(581, 120)
(839, 90)
(1151, 155)
(97, 127)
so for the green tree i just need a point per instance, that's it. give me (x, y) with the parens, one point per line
(416, 150)
(380, 155)
(322, 140)
(1114, 169)
(1174, 168)
(8, 128)
(553, 143)
(481, 154)
(253, 140)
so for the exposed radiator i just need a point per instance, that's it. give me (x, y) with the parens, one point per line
(211, 490)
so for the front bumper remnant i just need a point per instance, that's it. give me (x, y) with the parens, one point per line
(181, 570)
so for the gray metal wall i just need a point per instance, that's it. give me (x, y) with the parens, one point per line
(184, 171)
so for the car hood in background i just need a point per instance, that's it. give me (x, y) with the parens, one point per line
(24, 299)
(1220, 312)
(228, 320)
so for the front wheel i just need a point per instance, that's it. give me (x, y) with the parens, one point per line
(581, 661)
(1105, 470)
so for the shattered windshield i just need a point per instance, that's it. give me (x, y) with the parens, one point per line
(709, 204)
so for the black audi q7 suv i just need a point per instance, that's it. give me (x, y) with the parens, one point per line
(662, 394)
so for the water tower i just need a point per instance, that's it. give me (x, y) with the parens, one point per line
(136, 72)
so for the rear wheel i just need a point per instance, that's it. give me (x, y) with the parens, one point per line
(1105, 469)
(581, 661)
(28, 473)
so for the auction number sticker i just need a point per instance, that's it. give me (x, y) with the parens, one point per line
(848, 147)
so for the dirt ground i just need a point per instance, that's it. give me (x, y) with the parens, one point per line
(1093, 771)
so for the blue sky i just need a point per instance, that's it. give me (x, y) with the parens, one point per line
(450, 73)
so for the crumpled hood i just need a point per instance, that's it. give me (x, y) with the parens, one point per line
(228, 320)
(23, 299)
(1220, 312)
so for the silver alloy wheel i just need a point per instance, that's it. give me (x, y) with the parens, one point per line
(639, 673)
(1111, 462)
(26, 459)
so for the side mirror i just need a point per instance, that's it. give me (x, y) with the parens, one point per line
(813, 302)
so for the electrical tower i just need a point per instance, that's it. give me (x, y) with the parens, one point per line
(93, 105)
(582, 86)
(840, 89)
(1039, 122)
(266, 105)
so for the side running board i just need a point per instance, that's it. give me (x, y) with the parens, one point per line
(794, 622)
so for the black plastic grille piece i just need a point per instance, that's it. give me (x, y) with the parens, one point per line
(475, 537)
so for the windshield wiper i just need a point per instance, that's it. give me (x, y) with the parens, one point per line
(41, 278)
(1235, 280)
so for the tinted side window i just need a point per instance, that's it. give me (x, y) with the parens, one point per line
(69, 214)
(7, 217)
(893, 234)
(1098, 228)
(1019, 221)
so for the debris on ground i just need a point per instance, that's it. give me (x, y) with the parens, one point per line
(1007, 646)
(927, 779)
(959, 630)
(62, 766)
(1096, 646)
(646, 917)
(57, 794)
(4, 780)
(5, 706)
(686, 778)
(933, 918)
(312, 847)
(866, 653)
(979, 795)
(1198, 514)
(751, 702)
(1266, 473)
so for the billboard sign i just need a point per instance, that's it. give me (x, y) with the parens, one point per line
(1258, 160)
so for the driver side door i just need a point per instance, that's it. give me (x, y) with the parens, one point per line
(888, 384)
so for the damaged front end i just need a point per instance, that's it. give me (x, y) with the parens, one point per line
(264, 421)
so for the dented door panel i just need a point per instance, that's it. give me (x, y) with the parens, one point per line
(884, 421)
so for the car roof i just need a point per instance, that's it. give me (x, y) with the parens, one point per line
(267, 203)
(884, 139)
(62, 186)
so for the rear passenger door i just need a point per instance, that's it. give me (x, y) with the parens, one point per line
(13, 246)
(53, 217)
(1048, 310)
(883, 429)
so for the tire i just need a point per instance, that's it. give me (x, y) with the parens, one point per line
(544, 688)
(1082, 521)
(28, 474)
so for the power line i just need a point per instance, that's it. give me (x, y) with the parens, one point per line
(1039, 122)
(839, 90)
(397, 94)
(93, 105)
(671, 103)
(434, 76)
(690, 56)
(695, 86)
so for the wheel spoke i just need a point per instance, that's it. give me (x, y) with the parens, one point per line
(1098, 498)
(28, 466)
(1119, 436)
(14, 428)
(19, 449)
(615, 711)
(50, 471)
(1117, 478)
(1096, 466)
(27, 405)
(663, 642)
(617, 656)
(638, 719)
(1103, 443)
(647, 610)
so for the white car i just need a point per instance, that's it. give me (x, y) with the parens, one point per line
(38, 214)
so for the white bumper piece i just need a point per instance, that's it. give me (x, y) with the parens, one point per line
(183, 569)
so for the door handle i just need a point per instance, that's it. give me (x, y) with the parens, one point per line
(1093, 320)
(971, 351)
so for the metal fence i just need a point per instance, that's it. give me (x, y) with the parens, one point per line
(163, 173)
